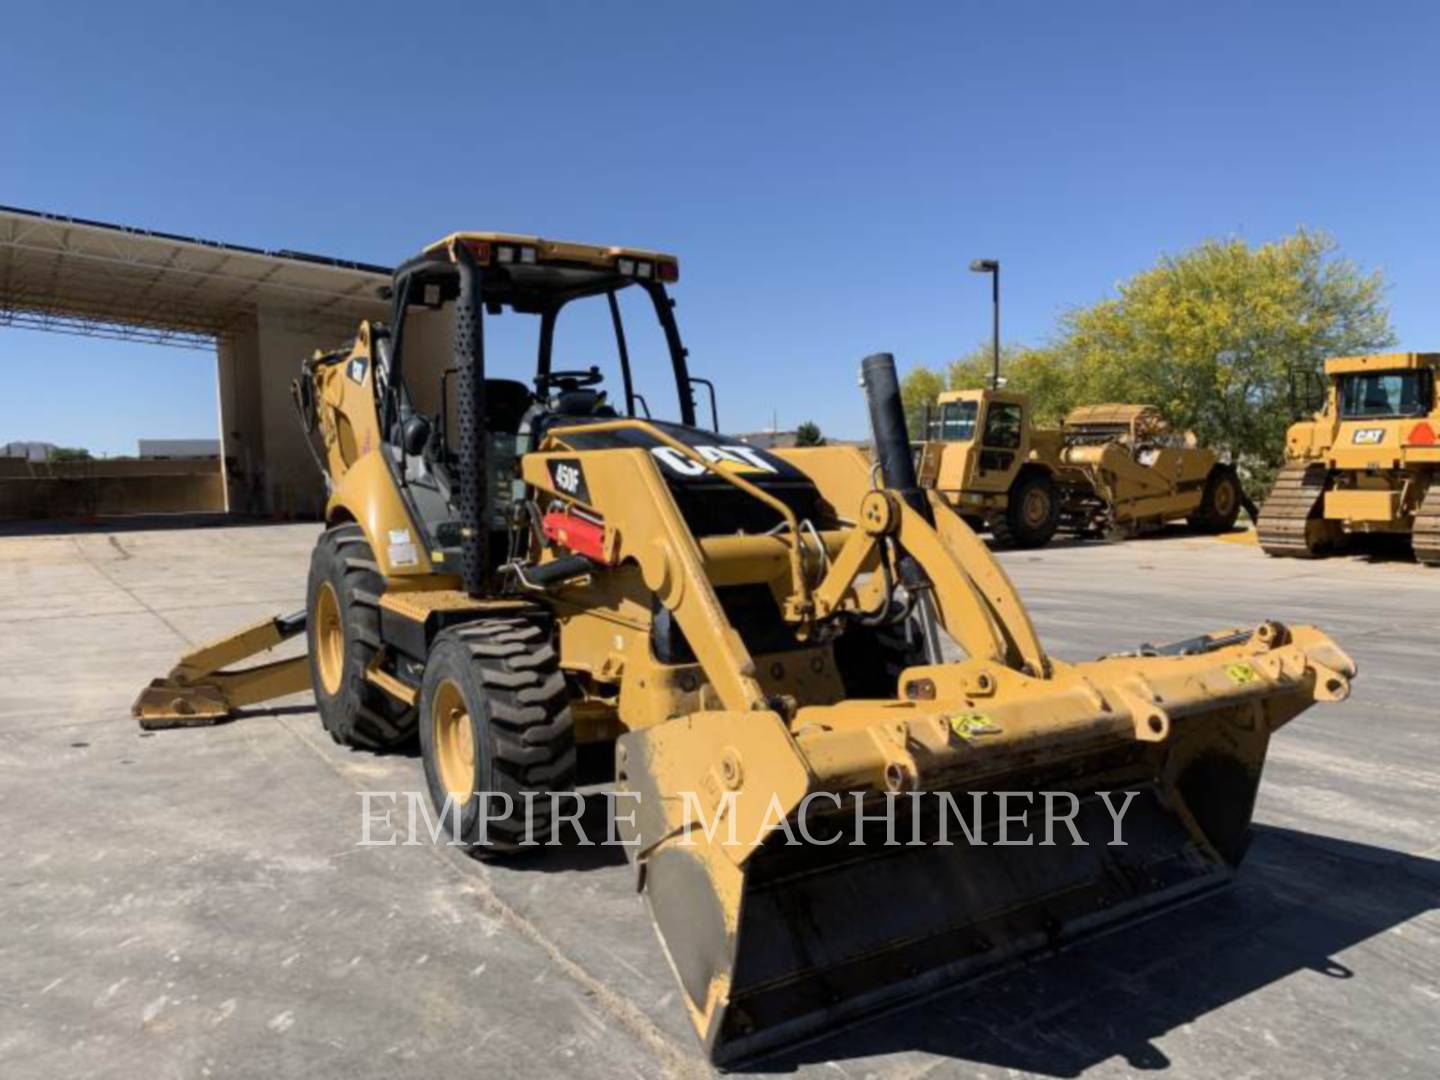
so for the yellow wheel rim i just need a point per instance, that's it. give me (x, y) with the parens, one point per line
(1036, 507)
(329, 639)
(1224, 498)
(454, 740)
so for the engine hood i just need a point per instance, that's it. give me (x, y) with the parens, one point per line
(711, 506)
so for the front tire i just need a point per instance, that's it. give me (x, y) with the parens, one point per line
(1032, 512)
(342, 626)
(1219, 503)
(495, 724)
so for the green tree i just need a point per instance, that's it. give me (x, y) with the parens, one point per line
(68, 453)
(1041, 373)
(1210, 335)
(808, 434)
(919, 387)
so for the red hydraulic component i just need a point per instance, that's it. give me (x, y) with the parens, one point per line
(580, 535)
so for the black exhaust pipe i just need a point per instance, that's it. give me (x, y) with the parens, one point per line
(468, 352)
(897, 470)
(887, 426)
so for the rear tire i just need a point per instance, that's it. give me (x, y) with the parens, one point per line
(342, 627)
(1219, 503)
(1032, 512)
(495, 720)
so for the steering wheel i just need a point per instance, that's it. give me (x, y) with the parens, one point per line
(572, 379)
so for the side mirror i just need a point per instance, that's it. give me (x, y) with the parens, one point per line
(415, 435)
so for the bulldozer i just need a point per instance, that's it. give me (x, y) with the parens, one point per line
(1112, 470)
(1364, 462)
(512, 569)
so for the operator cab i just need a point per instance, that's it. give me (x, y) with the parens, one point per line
(988, 427)
(1376, 395)
(476, 296)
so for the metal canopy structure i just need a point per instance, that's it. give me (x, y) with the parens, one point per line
(259, 313)
(100, 280)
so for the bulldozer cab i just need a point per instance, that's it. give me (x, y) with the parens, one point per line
(975, 440)
(494, 340)
(1372, 410)
(1393, 394)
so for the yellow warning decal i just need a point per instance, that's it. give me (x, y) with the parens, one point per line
(969, 725)
(1241, 673)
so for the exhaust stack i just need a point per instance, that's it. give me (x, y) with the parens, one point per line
(887, 426)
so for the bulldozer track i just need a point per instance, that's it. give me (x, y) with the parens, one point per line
(1425, 534)
(1291, 504)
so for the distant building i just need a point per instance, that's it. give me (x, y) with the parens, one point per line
(768, 440)
(189, 449)
(30, 451)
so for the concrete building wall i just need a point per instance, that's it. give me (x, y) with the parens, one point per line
(91, 488)
(178, 448)
(269, 470)
(242, 453)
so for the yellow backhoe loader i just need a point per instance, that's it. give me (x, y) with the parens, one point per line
(514, 567)
(1366, 461)
(1112, 470)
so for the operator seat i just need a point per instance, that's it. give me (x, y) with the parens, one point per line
(1377, 401)
(506, 401)
(568, 406)
(583, 401)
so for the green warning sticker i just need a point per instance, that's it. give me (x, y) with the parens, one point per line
(1241, 673)
(969, 725)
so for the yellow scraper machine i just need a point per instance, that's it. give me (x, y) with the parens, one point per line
(778, 645)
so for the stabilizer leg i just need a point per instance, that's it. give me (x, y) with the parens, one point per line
(198, 692)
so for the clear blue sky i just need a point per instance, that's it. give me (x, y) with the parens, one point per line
(825, 171)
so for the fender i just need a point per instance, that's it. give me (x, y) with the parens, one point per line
(366, 494)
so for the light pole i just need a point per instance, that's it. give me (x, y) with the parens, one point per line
(992, 267)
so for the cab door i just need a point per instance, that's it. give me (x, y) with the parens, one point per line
(1002, 444)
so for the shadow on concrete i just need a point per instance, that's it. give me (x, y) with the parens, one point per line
(271, 710)
(1378, 548)
(132, 523)
(1062, 541)
(573, 853)
(1299, 900)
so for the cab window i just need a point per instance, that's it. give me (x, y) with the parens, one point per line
(1002, 425)
(957, 421)
(1387, 393)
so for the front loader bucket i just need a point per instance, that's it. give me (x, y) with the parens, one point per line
(201, 689)
(787, 932)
